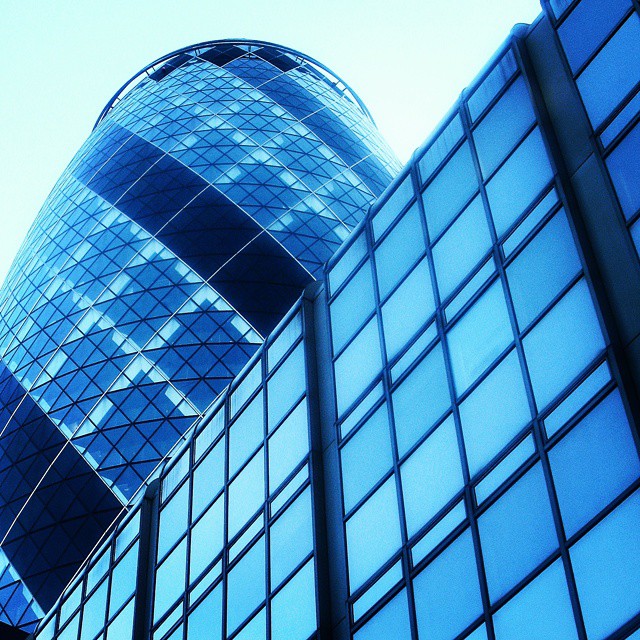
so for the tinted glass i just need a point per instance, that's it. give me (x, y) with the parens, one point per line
(391, 622)
(624, 167)
(246, 493)
(293, 610)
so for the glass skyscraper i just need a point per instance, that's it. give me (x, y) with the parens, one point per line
(440, 438)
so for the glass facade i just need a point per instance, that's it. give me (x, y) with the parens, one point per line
(211, 192)
(440, 439)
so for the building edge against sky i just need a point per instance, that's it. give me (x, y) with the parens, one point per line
(499, 277)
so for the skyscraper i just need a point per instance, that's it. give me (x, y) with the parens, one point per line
(214, 187)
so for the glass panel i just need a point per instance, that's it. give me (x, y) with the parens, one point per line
(347, 262)
(519, 181)
(375, 593)
(210, 432)
(170, 580)
(440, 148)
(247, 536)
(491, 85)
(285, 340)
(470, 289)
(122, 627)
(127, 534)
(412, 353)
(123, 580)
(624, 167)
(517, 533)
(288, 445)
(447, 592)
(606, 565)
(587, 26)
(361, 410)
(427, 381)
(543, 269)
(366, 458)
(449, 190)
(594, 463)
(617, 65)
(495, 412)
(621, 120)
(205, 621)
(397, 201)
(246, 433)
(390, 622)
(293, 610)
(173, 520)
(431, 476)
(399, 251)
(207, 538)
(291, 538)
(286, 386)
(289, 489)
(358, 365)
(208, 479)
(352, 306)
(94, 613)
(246, 493)
(503, 126)
(541, 610)
(246, 387)
(562, 344)
(438, 533)
(408, 309)
(245, 586)
(464, 244)
(256, 629)
(373, 534)
(479, 337)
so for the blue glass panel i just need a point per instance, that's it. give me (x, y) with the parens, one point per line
(390, 622)
(439, 148)
(492, 83)
(375, 592)
(477, 339)
(517, 533)
(286, 386)
(352, 306)
(205, 621)
(461, 247)
(447, 592)
(431, 476)
(541, 610)
(413, 418)
(170, 580)
(366, 458)
(122, 627)
(594, 463)
(496, 411)
(503, 126)
(520, 179)
(617, 64)
(562, 344)
(408, 308)
(246, 493)
(449, 190)
(606, 563)
(587, 26)
(624, 167)
(293, 609)
(345, 264)
(245, 586)
(373, 534)
(207, 538)
(246, 433)
(543, 269)
(208, 478)
(93, 613)
(397, 201)
(173, 520)
(399, 251)
(123, 580)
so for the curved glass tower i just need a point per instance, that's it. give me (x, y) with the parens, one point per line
(215, 185)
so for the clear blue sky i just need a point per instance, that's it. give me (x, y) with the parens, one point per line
(62, 60)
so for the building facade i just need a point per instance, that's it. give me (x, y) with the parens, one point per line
(440, 439)
(214, 187)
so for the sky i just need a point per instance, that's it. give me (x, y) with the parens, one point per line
(62, 60)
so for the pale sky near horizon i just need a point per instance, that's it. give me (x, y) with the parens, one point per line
(61, 62)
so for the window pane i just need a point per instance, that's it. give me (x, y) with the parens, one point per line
(122, 627)
(517, 533)
(94, 612)
(246, 433)
(291, 538)
(352, 306)
(123, 580)
(543, 269)
(541, 610)
(288, 445)
(447, 592)
(562, 344)
(606, 565)
(431, 476)
(293, 610)
(391, 622)
(479, 337)
(491, 85)
(594, 463)
(358, 365)
(373, 534)
(208, 479)
(347, 261)
(503, 126)
(245, 586)
(461, 248)
(617, 66)
(399, 251)
(588, 25)
(170, 580)
(520, 179)
(173, 520)
(450, 190)
(246, 493)
(286, 386)
(366, 458)
(624, 166)
(206, 620)
(496, 411)
(421, 398)
(440, 148)
(397, 201)
(408, 309)
(207, 538)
